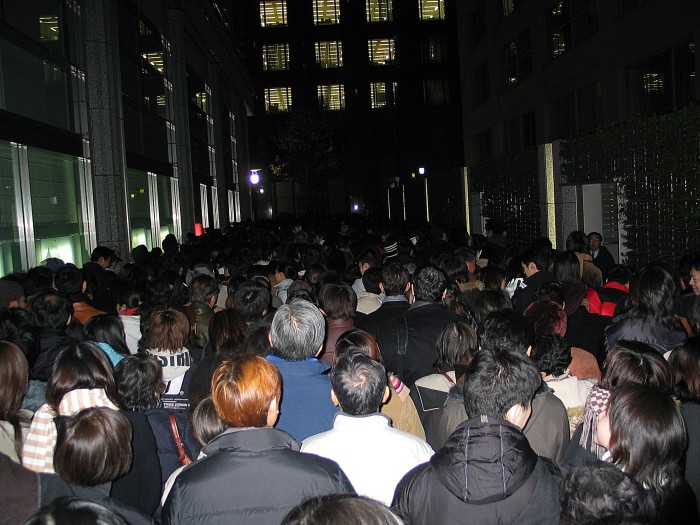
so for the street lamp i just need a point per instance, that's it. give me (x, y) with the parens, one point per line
(254, 180)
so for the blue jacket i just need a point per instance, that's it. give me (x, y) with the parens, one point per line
(306, 408)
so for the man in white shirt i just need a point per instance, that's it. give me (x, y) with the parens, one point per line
(374, 455)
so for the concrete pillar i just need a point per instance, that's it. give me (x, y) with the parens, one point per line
(217, 93)
(105, 124)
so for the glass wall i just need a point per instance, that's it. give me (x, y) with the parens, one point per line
(139, 208)
(10, 255)
(165, 206)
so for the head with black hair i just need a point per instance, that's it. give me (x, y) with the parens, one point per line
(204, 289)
(251, 300)
(337, 301)
(227, 333)
(651, 296)
(139, 382)
(395, 279)
(341, 509)
(567, 268)
(599, 492)
(490, 301)
(107, 329)
(685, 367)
(72, 510)
(636, 362)
(69, 281)
(493, 277)
(505, 330)
(429, 284)
(551, 354)
(620, 273)
(533, 260)
(501, 385)
(18, 326)
(359, 384)
(371, 280)
(456, 344)
(577, 241)
(52, 311)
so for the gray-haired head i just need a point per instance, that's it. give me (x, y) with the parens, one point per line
(297, 331)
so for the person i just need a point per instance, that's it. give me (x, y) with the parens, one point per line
(534, 264)
(591, 275)
(685, 367)
(455, 347)
(14, 378)
(341, 509)
(283, 275)
(69, 510)
(252, 301)
(547, 430)
(82, 378)
(399, 408)
(372, 454)
(602, 257)
(488, 301)
(337, 303)
(628, 362)
(11, 295)
(72, 284)
(227, 331)
(53, 315)
(166, 339)
(611, 298)
(650, 318)
(93, 448)
(486, 472)
(107, 332)
(394, 284)
(139, 386)
(297, 334)
(253, 473)
(204, 292)
(369, 258)
(409, 342)
(645, 436)
(552, 356)
(598, 492)
(370, 300)
(99, 267)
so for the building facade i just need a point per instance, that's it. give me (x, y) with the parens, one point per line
(353, 98)
(122, 121)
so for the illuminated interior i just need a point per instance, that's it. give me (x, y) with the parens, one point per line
(381, 52)
(326, 12)
(278, 99)
(432, 9)
(273, 13)
(275, 57)
(331, 97)
(379, 10)
(329, 54)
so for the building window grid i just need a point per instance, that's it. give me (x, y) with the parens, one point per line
(278, 99)
(234, 147)
(273, 13)
(329, 54)
(275, 57)
(379, 10)
(381, 51)
(331, 97)
(517, 58)
(570, 22)
(431, 9)
(326, 12)
(382, 94)
(436, 92)
(434, 50)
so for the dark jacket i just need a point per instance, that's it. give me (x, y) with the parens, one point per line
(141, 487)
(250, 476)
(159, 420)
(100, 494)
(334, 329)
(607, 300)
(376, 322)
(691, 415)
(107, 282)
(416, 333)
(204, 313)
(486, 473)
(23, 492)
(547, 430)
(51, 343)
(660, 337)
(522, 297)
(585, 330)
(604, 261)
(306, 408)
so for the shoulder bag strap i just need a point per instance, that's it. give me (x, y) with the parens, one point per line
(182, 455)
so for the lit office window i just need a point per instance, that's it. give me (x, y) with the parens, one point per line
(569, 23)
(381, 52)
(275, 57)
(329, 54)
(278, 99)
(432, 9)
(331, 97)
(326, 12)
(49, 29)
(273, 13)
(382, 94)
(506, 8)
(379, 10)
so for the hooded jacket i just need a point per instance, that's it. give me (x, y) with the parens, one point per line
(250, 476)
(486, 473)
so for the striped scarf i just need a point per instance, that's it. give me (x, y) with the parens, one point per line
(37, 454)
(596, 404)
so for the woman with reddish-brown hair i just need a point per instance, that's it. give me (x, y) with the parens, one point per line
(14, 378)
(253, 473)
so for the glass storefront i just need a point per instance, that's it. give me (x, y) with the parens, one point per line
(10, 257)
(165, 206)
(139, 203)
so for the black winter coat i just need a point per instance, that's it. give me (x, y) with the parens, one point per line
(250, 476)
(658, 336)
(486, 473)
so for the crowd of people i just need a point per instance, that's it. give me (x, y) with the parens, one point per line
(351, 371)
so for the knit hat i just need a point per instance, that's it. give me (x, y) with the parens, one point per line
(391, 250)
(53, 263)
(9, 291)
(596, 404)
